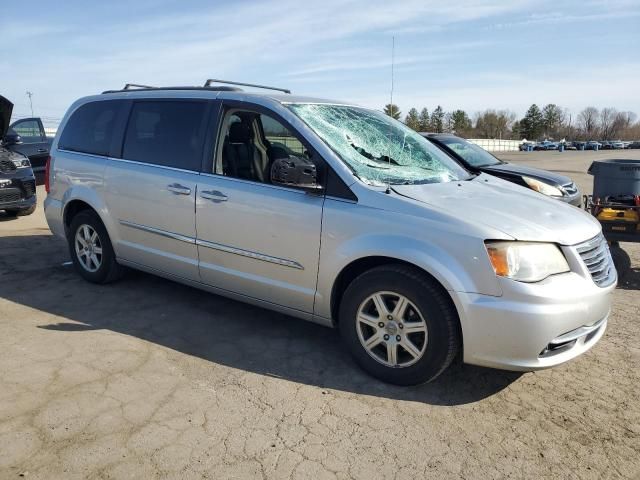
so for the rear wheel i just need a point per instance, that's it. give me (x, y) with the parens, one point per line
(91, 250)
(399, 325)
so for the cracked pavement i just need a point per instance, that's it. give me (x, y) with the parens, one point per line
(146, 378)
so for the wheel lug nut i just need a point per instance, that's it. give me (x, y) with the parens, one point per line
(386, 337)
(389, 317)
(401, 325)
(398, 338)
(381, 325)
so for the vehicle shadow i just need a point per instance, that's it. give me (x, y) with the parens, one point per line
(5, 217)
(213, 328)
(628, 275)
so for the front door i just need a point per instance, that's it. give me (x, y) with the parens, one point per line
(34, 142)
(256, 238)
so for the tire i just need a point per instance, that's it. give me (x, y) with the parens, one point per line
(22, 212)
(428, 307)
(102, 267)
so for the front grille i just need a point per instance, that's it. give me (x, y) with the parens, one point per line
(597, 258)
(9, 195)
(29, 188)
(7, 166)
(570, 188)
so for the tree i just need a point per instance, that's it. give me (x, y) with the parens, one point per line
(437, 120)
(392, 110)
(494, 124)
(425, 120)
(608, 123)
(588, 122)
(412, 120)
(461, 123)
(553, 120)
(532, 125)
(516, 130)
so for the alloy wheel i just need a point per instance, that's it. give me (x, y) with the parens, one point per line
(88, 248)
(391, 329)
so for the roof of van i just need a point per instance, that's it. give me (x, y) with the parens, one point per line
(215, 92)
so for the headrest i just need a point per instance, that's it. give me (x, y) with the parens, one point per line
(240, 132)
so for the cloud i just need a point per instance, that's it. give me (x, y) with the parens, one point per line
(339, 48)
(573, 88)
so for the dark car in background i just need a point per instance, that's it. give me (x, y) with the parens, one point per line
(17, 182)
(27, 136)
(475, 158)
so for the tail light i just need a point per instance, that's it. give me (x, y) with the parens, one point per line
(47, 171)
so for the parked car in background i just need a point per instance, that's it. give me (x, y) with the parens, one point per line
(593, 145)
(17, 183)
(369, 227)
(635, 144)
(568, 145)
(606, 145)
(525, 146)
(546, 145)
(579, 145)
(617, 145)
(27, 136)
(477, 159)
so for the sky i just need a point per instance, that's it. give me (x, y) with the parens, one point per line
(463, 54)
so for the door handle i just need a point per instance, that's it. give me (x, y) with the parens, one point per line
(179, 189)
(214, 196)
(42, 150)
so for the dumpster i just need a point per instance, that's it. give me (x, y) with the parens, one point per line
(615, 177)
(616, 199)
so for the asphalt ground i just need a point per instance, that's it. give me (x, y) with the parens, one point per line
(146, 378)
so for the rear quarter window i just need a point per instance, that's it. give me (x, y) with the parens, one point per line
(90, 128)
(166, 133)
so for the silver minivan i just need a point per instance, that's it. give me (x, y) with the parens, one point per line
(332, 213)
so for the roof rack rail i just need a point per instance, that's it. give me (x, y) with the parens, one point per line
(213, 80)
(128, 86)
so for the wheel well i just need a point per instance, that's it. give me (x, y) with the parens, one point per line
(357, 267)
(72, 209)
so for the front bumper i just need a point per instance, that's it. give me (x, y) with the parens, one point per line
(575, 200)
(534, 326)
(17, 191)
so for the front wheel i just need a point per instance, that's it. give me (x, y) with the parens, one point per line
(399, 325)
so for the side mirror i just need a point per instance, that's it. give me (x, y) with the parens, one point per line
(295, 172)
(12, 138)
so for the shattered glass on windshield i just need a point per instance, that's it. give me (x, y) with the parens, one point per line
(378, 149)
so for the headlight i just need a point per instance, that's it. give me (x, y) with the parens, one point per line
(526, 261)
(542, 187)
(22, 163)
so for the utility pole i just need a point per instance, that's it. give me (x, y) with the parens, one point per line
(29, 94)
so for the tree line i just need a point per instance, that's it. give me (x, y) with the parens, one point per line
(549, 122)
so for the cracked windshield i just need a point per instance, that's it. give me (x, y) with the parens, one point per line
(378, 149)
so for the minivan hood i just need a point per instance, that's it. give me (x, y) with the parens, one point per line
(517, 211)
(537, 173)
(6, 107)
